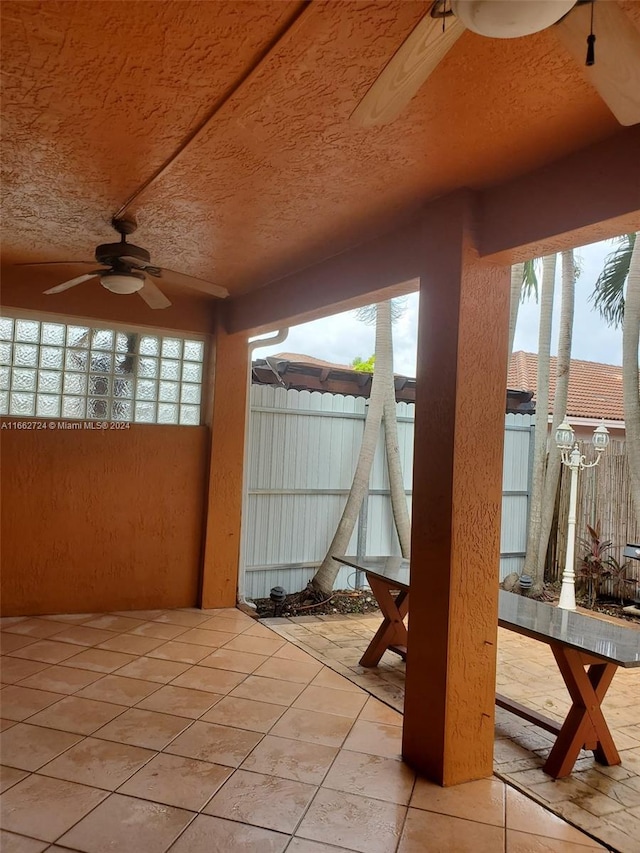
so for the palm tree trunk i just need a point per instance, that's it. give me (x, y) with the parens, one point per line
(630, 392)
(325, 577)
(517, 275)
(542, 409)
(559, 405)
(394, 465)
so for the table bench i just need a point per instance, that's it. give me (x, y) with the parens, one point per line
(577, 641)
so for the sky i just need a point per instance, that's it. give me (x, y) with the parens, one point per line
(342, 337)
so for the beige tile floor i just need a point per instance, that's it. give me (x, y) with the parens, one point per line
(604, 801)
(206, 732)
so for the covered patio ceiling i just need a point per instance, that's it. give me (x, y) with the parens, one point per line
(98, 96)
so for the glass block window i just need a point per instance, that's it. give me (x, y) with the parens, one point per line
(57, 370)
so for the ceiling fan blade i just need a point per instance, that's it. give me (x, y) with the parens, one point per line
(152, 294)
(616, 72)
(182, 280)
(66, 285)
(58, 263)
(416, 58)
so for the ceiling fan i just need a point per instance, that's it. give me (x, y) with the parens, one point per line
(614, 72)
(128, 269)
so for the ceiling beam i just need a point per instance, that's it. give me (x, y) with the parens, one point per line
(590, 195)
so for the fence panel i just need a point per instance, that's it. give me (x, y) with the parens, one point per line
(604, 499)
(303, 449)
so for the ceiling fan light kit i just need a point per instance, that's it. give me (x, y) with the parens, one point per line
(506, 20)
(130, 282)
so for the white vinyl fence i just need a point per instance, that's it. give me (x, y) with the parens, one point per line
(303, 448)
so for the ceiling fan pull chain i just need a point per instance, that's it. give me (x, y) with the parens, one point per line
(591, 41)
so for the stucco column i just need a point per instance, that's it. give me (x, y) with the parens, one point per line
(224, 501)
(457, 495)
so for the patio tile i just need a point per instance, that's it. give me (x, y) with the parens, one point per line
(348, 820)
(98, 660)
(210, 639)
(312, 727)
(482, 800)
(47, 651)
(60, 679)
(145, 615)
(180, 701)
(182, 652)
(375, 739)
(375, 711)
(71, 618)
(14, 669)
(177, 781)
(271, 690)
(446, 833)
(291, 759)
(29, 747)
(45, 808)
(267, 801)
(330, 701)
(76, 714)
(12, 843)
(208, 834)
(111, 622)
(158, 630)
(256, 645)
(149, 729)
(18, 703)
(291, 652)
(183, 618)
(327, 678)
(371, 776)
(9, 776)
(211, 742)
(289, 670)
(37, 628)
(102, 763)
(303, 845)
(527, 816)
(153, 669)
(244, 714)
(127, 824)
(235, 661)
(12, 642)
(237, 622)
(260, 630)
(212, 680)
(82, 635)
(118, 690)
(131, 644)
(524, 842)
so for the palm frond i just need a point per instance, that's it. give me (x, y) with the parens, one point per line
(529, 281)
(608, 291)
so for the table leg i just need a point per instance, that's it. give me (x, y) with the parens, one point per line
(392, 632)
(585, 725)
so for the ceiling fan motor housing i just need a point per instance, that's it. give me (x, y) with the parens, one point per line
(110, 253)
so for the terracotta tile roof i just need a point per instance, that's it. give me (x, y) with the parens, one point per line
(595, 390)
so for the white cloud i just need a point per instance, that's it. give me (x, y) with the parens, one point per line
(342, 337)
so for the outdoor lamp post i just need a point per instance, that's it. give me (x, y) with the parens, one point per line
(575, 461)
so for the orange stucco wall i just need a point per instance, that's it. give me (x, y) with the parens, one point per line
(96, 520)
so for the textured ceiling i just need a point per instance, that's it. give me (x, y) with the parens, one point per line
(96, 96)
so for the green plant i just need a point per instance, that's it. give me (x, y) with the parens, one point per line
(364, 366)
(597, 565)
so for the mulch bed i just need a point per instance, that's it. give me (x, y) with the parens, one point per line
(341, 601)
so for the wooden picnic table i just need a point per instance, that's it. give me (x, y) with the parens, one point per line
(588, 652)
